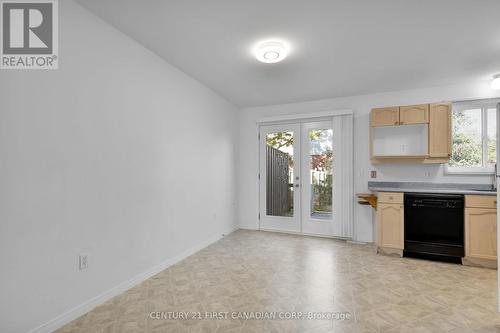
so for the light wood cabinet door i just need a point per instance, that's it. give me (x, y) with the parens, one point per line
(414, 114)
(481, 233)
(390, 219)
(440, 130)
(385, 116)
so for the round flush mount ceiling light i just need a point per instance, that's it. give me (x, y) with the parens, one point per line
(495, 84)
(271, 52)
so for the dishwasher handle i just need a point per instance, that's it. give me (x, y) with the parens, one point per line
(435, 203)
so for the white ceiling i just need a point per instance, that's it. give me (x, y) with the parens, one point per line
(340, 47)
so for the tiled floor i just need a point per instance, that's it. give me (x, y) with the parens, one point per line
(282, 275)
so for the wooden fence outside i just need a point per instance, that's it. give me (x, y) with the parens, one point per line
(279, 196)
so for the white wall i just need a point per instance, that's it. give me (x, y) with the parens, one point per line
(118, 155)
(361, 105)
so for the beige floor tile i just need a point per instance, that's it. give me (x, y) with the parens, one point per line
(250, 271)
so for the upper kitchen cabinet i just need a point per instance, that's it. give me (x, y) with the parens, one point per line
(411, 134)
(385, 116)
(414, 114)
(440, 130)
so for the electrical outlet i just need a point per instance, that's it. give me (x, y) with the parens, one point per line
(373, 174)
(84, 261)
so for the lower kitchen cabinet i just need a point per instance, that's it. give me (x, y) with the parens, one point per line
(480, 227)
(481, 233)
(390, 217)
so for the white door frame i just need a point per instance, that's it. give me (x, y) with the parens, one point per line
(343, 194)
(310, 225)
(279, 223)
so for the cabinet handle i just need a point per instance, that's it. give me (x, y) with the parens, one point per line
(396, 122)
(401, 122)
(391, 198)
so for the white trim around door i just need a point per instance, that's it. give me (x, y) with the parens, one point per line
(291, 204)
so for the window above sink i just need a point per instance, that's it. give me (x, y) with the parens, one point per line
(474, 136)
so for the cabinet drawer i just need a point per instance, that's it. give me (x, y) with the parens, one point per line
(390, 197)
(481, 201)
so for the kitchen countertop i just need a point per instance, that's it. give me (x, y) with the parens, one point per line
(421, 187)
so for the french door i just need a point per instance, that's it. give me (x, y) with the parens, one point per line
(296, 177)
(280, 177)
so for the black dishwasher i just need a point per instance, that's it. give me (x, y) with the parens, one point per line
(434, 226)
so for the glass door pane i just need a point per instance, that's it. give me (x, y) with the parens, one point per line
(280, 177)
(320, 172)
(279, 174)
(317, 177)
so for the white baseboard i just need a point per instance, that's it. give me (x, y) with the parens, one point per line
(356, 242)
(247, 228)
(303, 234)
(82, 309)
